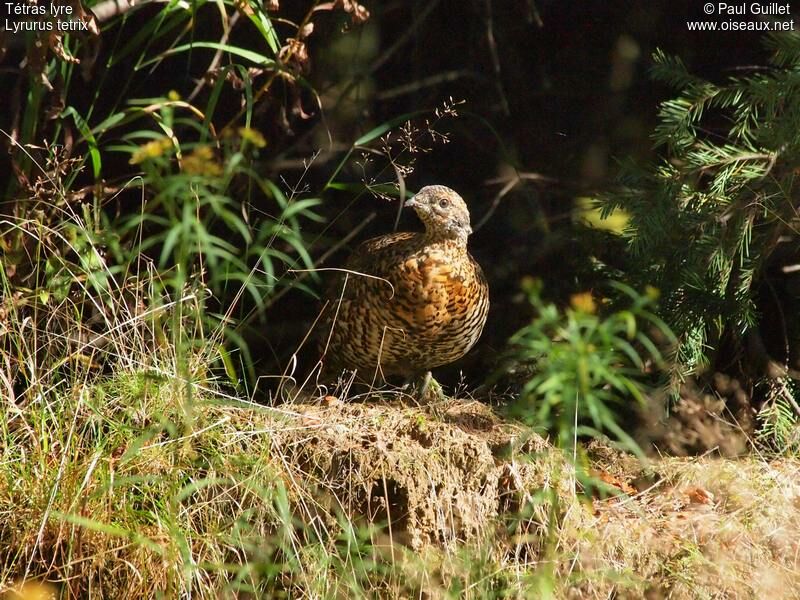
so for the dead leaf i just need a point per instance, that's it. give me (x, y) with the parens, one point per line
(358, 13)
(305, 31)
(698, 495)
(295, 54)
(614, 481)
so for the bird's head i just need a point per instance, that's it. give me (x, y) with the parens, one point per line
(443, 212)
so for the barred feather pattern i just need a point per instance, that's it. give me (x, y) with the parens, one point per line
(407, 303)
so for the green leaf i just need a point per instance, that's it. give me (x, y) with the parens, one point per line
(86, 132)
(254, 57)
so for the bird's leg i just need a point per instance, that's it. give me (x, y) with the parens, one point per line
(428, 388)
(424, 384)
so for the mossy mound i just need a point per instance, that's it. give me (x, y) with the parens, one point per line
(441, 474)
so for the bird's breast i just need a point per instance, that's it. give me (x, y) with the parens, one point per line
(433, 291)
(421, 304)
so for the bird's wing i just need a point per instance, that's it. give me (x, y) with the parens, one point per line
(371, 269)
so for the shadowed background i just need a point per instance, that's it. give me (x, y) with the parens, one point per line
(555, 95)
(550, 95)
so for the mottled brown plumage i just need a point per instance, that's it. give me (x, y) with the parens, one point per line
(408, 302)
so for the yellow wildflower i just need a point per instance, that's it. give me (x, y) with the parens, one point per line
(152, 149)
(253, 136)
(583, 302)
(201, 162)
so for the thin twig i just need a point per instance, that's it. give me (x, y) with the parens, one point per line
(495, 58)
(212, 66)
(509, 184)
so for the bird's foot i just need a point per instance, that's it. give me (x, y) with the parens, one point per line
(428, 389)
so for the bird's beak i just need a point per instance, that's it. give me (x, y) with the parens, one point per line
(412, 203)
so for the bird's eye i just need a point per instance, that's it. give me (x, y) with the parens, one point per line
(444, 202)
